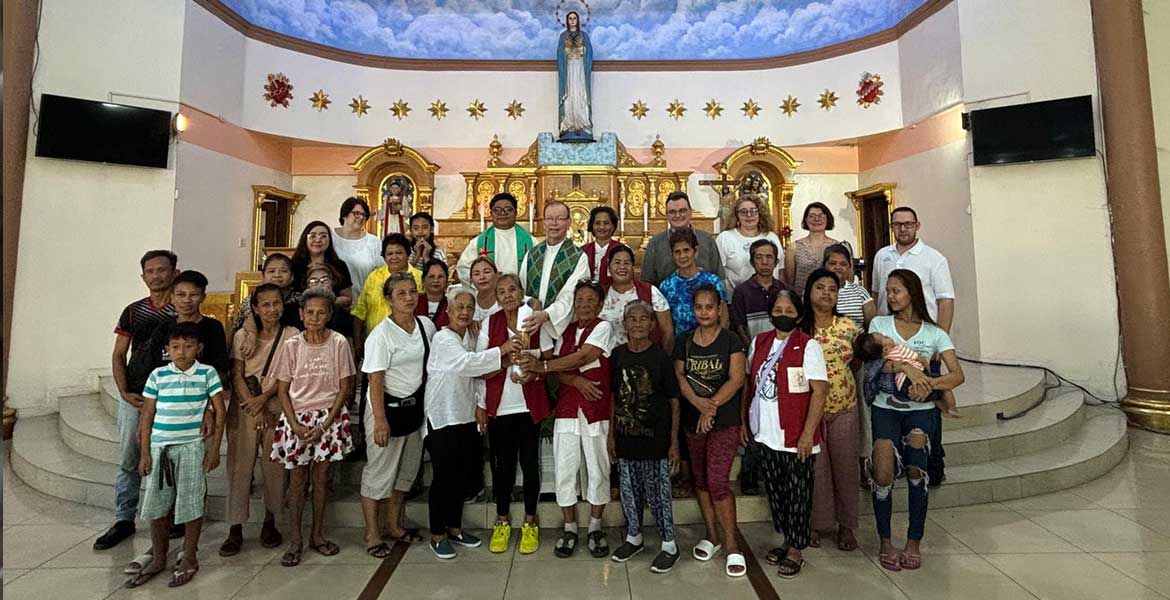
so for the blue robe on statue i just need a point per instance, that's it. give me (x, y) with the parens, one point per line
(574, 87)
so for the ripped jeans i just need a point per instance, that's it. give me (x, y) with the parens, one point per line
(896, 425)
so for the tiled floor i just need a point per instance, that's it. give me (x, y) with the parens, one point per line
(1109, 538)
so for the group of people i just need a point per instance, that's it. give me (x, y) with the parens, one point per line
(651, 385)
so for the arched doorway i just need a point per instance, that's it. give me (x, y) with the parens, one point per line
(396, 181)
(765, 172)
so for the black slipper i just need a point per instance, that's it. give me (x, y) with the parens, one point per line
(566, 545)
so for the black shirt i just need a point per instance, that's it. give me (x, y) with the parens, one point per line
(707, 369)
(643, 386)
(211, 335)
(138, 322)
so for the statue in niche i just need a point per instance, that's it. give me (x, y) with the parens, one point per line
(755, 187)
(397, 203)
(574, 87)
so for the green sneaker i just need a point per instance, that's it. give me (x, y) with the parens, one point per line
(501, 534)
(529, 538)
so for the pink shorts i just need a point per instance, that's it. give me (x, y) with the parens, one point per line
(711, 456)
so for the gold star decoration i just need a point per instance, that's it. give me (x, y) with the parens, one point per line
(827, 100)
(790, 105)
(750, 109)
(400, 109)
(359, 106)
(713, 108)
(639, 109)
(476, 109)
(438, 109)
(320, 100)
(515, 109)
(676, 109)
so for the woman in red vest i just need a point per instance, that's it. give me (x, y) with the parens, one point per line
(511, 411)
(624, 289)
(603, 222)
(582, 415)
(783, 399)
(432, 301)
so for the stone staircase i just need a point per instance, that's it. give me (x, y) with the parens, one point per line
(1061, 443)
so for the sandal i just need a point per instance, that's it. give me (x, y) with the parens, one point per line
(705, 550)
(910, 561)
(326, 548)
(597, 544)
(814, 540)
(292, 558)
(776, 554)
(141, 578)
(139, 563)
(891, 562)
(566, 544)
(845, 540)
(789, 568)
(409, 536)
(380, 551)
(736, 566)
(182, 577)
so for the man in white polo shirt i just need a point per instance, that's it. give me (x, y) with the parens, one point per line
(909, 252)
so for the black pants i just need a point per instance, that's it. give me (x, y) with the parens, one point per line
(936, 463)
(454, 461)
(788, 482)
(515, 437)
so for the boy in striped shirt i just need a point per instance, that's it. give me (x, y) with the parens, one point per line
(175, 400)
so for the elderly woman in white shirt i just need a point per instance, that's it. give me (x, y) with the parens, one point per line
(451, 434)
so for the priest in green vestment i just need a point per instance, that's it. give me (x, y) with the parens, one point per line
(505, 242)
(550, 273)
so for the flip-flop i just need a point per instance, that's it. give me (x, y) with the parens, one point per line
(775, 555)
(735, 560)
(182, 577)
(891, 562)
(141, 578)
(139, 563)
(409, 536)
(705, 550)
(814, 540)
(790, 568)
(326, 548)
(846, 545)
(910, 561)
(292, 558)
(379, 551)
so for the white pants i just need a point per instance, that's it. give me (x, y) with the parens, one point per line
(573, 438)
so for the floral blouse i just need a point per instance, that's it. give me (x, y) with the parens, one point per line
(837, 342)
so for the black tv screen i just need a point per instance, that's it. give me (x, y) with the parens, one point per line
(79, 129)
(1037, 131)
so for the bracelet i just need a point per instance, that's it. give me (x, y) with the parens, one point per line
(546, 366)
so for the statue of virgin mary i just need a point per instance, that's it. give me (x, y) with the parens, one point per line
(574, 87)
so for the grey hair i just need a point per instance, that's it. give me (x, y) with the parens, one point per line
(456, 291)
(321, 293)
(514, 277)
(637, 305)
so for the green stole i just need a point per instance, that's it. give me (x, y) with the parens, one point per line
(485, 244)
(563, 266)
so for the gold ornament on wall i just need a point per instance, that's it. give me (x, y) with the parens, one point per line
(750, 109)
(827, 100)
(400, 109)
(676, 109)
(713, 108)
(639, 109)
(515, 109)
(359, 106)
(476, 109)
(320, 100)
(438, 109)
(789, 106)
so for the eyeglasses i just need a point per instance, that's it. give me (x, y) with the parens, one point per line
(816, 216)
(359, 214)
(323, 280)
(318, 236)
(906, 225)
(555, 219)
(747, 212)
(678, 212)
(503, 211)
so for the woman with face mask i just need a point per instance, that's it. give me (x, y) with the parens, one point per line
(783, 399)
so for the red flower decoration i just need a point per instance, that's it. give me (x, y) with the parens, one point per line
(483, 252)
(278, 90)
(785, 231)
(869, 89)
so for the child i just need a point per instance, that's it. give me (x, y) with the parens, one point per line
(175, 399)
(643, 439)
(873, 346)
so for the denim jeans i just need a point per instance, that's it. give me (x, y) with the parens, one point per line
(128, 482)
(895, 425)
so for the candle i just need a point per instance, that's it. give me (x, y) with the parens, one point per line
(645, 219)
(622, 218)
(481, 217)
(531, 210)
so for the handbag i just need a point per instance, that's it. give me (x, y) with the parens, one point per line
(251, 381)
(405, 415)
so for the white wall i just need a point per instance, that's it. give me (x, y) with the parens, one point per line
(213, 65)
(213, 212)
(1157, 13)
(323, 197)
(931, 65)
(1044, 264)
(830, 190)
(934, 183)
(85, 225)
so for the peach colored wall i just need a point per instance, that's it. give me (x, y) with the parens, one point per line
(933, 132)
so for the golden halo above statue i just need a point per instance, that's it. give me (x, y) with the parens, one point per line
(561, 6)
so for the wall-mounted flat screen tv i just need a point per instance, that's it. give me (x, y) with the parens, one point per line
(1048, 130)
(77, 129)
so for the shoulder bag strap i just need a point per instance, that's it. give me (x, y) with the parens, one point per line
(272, 351)
(426, 349)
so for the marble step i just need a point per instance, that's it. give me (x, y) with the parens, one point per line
(88, 429)
(42, 459)
(988, 391)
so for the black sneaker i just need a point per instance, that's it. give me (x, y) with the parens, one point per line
(626, 551)
(114, 536)
(664, 562)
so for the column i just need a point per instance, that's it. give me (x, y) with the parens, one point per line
(1139, 243)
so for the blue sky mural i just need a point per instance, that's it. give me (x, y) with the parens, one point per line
(619, 29)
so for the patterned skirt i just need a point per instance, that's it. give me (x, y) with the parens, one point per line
(292, 452)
